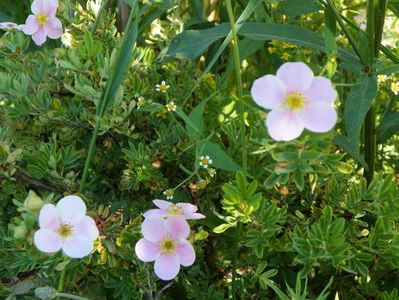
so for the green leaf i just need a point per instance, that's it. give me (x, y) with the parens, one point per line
(388, 127)
(389, 70)
(357, 105)
(223, 227)
(349, 148)
(121, 64)
(330, 42)
(220, 159)
(296, 8)
(196, 118)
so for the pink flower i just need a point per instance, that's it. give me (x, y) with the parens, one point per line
(10, 26)
(165, 243)
(298, 100)
(166, 209)
(43, 22)
(66, 226)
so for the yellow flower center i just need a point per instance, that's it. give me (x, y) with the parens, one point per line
(295, 101)
(175, 209)
(168, 245)
(163, 88)
(205, 161)
(65, 230)
(171, 106)
(41, 19)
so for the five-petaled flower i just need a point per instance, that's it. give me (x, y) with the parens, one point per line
(205, 161)
(395, 88)
(10, 26)
(140, 102)
(171, 106)
(43, 22)
(298, 100)
(163, 87)
(167, 209)
(381, 78)
(66, 226)
(165, 243)
(169, 194)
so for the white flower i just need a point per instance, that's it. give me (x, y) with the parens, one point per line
(169, 194)
(66, 226)
(10, 26)
(140, 102)
(163, 87)
(205, 161)
(395, 87)
(171, 106)
(381, 78)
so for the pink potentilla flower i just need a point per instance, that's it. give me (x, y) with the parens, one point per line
(10, 26)
(43, 22)
(166, 209)
(165, 243)
(66, 226)
(298, 100)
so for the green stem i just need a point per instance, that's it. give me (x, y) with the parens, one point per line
(98, 17)
(237, 62)
(370, 143)
(89, 156)
(62, 280)
(70, 296)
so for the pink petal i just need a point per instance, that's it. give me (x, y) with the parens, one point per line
(47, 241)
(297, 76)
(47, 7)
(319, 117)
(185, 253)
(77, 247)
(153, 229)
(54, 28)
(48, 217)
(187, 207)
(167, 266)
(86, 228)
(194, 216)
(147, 251)
(177, 227)
(155, 213)
(31, 25)
(39, 37)
(71, 209)
(321, 90)
(284, 124)
(162, 204)
(268, 91)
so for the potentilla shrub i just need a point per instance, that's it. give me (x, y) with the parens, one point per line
(273, 165)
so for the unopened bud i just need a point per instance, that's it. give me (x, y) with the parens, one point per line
(45, 293)
(33, 201)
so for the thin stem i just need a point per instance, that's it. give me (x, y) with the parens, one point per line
(62, 280)
(158, 296)
(70, 296)
(89, 156)
(98, 17)
(345, 30)
(237, 62)
(370, 143)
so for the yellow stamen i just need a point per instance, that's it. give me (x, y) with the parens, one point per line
(295, 101)
(175, 209)
(163, 87)
(168, 245)
(41, 19)
(65, 230)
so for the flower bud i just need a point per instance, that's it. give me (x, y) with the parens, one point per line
(33, 202)
(45, 293)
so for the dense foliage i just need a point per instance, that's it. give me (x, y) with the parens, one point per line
(312, 218)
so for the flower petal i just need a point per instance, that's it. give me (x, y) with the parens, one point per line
(297, 76)
(194, 216)
(321, 90)
(71, 209)
(268, 91)
(39, 37)
(162, 204)
(54, 28)
(185, 253)
(284, 124)
(153, 229)
(177, 227)
(86, 228)
(31, 25)
(155, 213)
(187, 207)
(38, 6)
(147, 251)
(167, 266)
(47, 241)
(77, 247)
(47, 7)
(319, 117)
(48, 217)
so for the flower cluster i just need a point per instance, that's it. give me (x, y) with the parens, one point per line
(297, 100)
(165, 231)
(66, 226)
